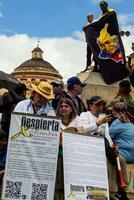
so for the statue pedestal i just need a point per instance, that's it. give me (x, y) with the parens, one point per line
(97, 86)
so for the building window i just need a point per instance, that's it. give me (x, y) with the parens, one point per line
(35, 55)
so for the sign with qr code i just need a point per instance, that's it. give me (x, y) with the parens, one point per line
(31, 158)
(85, 171)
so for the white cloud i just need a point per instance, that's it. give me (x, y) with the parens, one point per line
(67, 54)
(126, 23)
(79, 35)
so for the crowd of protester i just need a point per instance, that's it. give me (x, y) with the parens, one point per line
(113, 120)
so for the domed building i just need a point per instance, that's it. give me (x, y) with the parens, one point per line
(36, 69)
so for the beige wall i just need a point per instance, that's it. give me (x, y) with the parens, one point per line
(107, 92)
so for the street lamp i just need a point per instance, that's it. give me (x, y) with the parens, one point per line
(125, 33)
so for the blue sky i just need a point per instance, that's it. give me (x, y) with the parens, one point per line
(58, 25)
(52, 18)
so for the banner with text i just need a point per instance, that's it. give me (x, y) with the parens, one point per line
(31, 158)
(85, 170)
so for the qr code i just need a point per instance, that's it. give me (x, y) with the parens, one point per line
(13, 190)
(39, 191)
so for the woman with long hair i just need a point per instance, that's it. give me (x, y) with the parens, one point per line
(69, 122)
(68, 115)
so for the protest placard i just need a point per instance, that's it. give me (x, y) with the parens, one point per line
(85, 169)
(31, 158)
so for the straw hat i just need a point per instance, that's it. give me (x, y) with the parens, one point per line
(44, 89)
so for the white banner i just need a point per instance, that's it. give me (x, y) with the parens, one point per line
(85, 169)
(32, 158)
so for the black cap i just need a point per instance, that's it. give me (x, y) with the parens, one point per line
(125, 84)
(21, 87)
(75, 81)
(95, 100)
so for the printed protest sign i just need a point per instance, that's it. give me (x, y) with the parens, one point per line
(85, 171)
(31, 158)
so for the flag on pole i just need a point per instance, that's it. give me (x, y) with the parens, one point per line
(104, 40)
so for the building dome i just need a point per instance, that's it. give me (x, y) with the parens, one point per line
(37, 49)
(36, 65)
(36, 69)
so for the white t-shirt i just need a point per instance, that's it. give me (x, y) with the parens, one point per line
(74, 123)
(88, 121)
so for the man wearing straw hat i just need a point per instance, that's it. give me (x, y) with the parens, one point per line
(39, 102)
